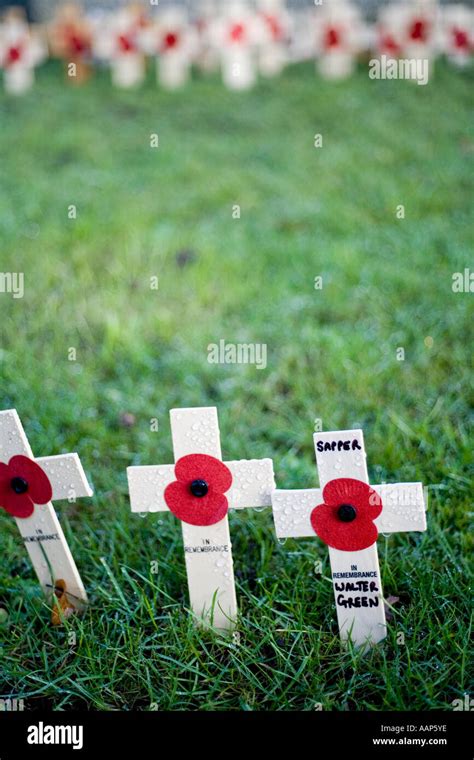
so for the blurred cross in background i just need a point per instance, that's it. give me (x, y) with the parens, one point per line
(40, 10)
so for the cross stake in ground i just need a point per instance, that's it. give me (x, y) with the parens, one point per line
(346, 513)
(199, 489)
(27, 486)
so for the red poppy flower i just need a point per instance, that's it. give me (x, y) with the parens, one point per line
(171, 40)
(389, 45)
(345, 520)
(197, 495)
(332, 38)
(13, 55)
(274, 26)
(22, 485)
(237, 33)
(418, 31)
(461, 40)
(76, 44)
(126, 45)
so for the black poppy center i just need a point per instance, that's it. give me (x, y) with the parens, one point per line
(346, 513)
(19, 485)
(199, 488)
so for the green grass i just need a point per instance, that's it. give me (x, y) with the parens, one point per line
(331, 355)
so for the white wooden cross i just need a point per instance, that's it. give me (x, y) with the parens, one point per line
(207, 57)
(407, 29)
(207, 548)
(355, 574)
(118, 39)
(276, 28)
(70, 38)
(41, 531)
(456, 33)
(175, 43)
(419, 28)
(339, 37)
(21, 51)
(390, 30)
(236, 35)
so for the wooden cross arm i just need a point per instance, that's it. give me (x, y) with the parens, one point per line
(292, 511)
(66, 475)
(404, 507)
(147, 485)
(252, 483)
